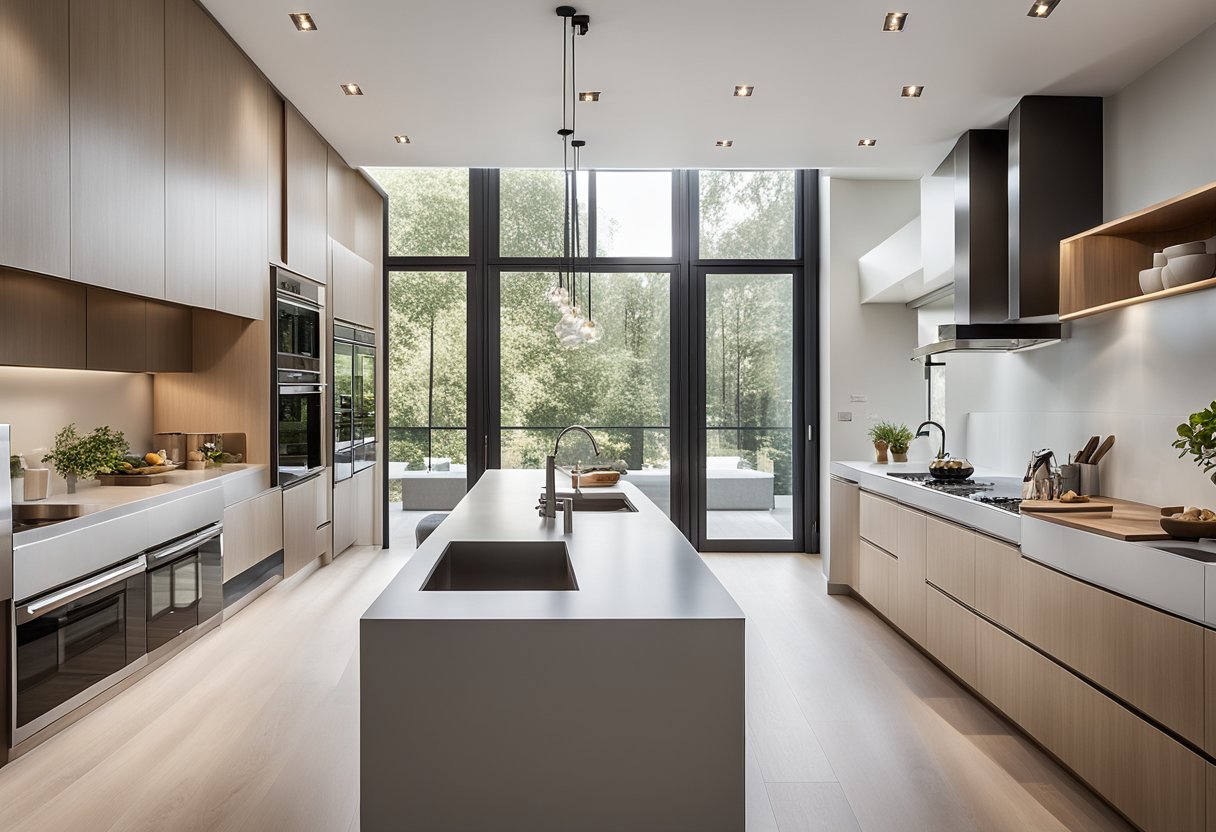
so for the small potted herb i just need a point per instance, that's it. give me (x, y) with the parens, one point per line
(890, 436)
(75, 456)
(212, 454)
(1197, 439)
(15, 475)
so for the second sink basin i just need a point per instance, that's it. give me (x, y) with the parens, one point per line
(583, 501)
(489, 565)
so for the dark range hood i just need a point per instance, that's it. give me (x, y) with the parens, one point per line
(1017, 193)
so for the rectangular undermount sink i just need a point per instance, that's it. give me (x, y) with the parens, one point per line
(599, 502)
(492, 565)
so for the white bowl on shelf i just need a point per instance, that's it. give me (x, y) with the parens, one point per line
(1211, 245)
(1189, 268)
(1183, 249)
(1150, 280)
(1159, 260)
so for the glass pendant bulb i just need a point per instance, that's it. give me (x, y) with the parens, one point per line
(591, 331)
(559, 296)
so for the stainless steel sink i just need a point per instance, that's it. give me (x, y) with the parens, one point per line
(1192, 552)
(490, 565)
(28, 516)
(583, 501)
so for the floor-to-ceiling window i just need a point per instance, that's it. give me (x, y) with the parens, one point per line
(699, 282)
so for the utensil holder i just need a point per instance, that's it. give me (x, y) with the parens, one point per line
(36, 482)
(1091, 484)
(1070, 478)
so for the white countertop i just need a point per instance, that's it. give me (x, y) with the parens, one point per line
(628, 565)
(983, 518)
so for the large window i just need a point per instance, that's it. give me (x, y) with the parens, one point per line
(633, 214)
(747, 214)
(428, 211)
(531, 203)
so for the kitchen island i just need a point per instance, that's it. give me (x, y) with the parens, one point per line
(618, 704)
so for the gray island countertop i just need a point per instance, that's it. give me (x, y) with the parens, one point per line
(628, 565)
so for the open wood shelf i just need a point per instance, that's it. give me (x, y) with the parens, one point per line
(1100, 268)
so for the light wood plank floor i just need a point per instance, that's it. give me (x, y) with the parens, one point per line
(255, 727)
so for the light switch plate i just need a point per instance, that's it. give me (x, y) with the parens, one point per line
(859, 397)
(844, 416)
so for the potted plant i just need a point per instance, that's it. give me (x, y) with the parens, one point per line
(75, 456)
(890, 436)
(1197, 439)
(15, 475)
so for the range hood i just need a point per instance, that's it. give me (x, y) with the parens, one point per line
(1016, 194)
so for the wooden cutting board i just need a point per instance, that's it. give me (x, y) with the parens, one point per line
(1054, 506)
(133, 479)
(1129, 521)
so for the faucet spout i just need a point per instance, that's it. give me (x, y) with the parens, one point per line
(921, 430)
(551, 471)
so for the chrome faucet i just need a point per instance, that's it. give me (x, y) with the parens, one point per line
(920, 431)
(550, 506)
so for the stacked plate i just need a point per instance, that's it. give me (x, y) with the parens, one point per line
(1180, 265)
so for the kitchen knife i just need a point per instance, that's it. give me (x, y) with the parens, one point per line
(1089, 448)
(1103, 451)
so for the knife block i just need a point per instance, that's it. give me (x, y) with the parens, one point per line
(1091, 484)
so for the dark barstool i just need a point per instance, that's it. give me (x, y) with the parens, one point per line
(427, 525)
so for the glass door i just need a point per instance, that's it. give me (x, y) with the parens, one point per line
(749, 465)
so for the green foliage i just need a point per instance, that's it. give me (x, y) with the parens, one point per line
(747, 214)
(1197, 439)
(100, 452)
(14, 467)
(428, 212)
(897, 436)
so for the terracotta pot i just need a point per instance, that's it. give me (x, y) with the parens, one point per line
(880, 452)
(900, 457)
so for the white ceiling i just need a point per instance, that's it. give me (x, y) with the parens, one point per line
(477, 83)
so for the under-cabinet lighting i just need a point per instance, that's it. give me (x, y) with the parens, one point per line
(867, 142)
(401, 138)
(351, 89)
(912, 90)
(1042, 8)
(303, 21)
(591, 95)
(724, 143)
(895, 21)
(744, 90)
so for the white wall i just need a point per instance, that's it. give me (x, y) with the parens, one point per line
(1161, 130)
(38, 402)
(1138, 372)
(864, 350)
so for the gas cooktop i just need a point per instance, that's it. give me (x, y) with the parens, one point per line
(999, 492)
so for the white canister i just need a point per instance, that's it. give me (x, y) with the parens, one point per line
(18, 489)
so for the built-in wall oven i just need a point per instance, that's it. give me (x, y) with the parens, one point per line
(74, 642)
(354, 399)
(299, 392)
(185, 585)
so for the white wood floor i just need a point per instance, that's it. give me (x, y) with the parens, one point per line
(255, 727)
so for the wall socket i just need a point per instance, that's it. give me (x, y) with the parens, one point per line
(844, 416)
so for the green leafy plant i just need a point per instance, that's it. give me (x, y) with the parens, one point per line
(100, 452)
(1197, 439)
(897, 437)
(14, 467)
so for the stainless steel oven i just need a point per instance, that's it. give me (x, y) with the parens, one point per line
(74, 642)
(299, 430)
(299, 325)
(185, 585)
(300, 391)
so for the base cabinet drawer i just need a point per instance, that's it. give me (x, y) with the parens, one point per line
(844, 532)
(876, 569)
(879, 520)
(1158, 783)
(950, 634)
(998, 582)
(997, 668)
(253, 531)
(950, 559)
(1151, 660)
(908, 591)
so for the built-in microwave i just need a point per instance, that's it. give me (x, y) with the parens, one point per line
(299, 327)
(354, 415)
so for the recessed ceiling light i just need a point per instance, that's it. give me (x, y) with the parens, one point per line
(354, 89)
(592, 95)
(867, 142)
(912, 90)
(1042, 8)
(895, 21)
(744, 90)
(303, 21)
(401, 139)
(724, 143)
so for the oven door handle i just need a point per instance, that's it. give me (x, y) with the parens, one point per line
(199, 539)
(302, 389)
(74, 593)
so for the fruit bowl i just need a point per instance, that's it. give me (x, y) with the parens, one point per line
(951, 469)
(1188, 529)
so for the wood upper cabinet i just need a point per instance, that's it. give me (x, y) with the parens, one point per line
(42, 321)
(35, 184)
(950, 559)
(306, 163)
(170, 338)
(275, 229)
(242, 276)
(130, 334)
(369, 223)
(193, 138)
(353, 287)
(118, 144)
(341, 199)
(1150, 659)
